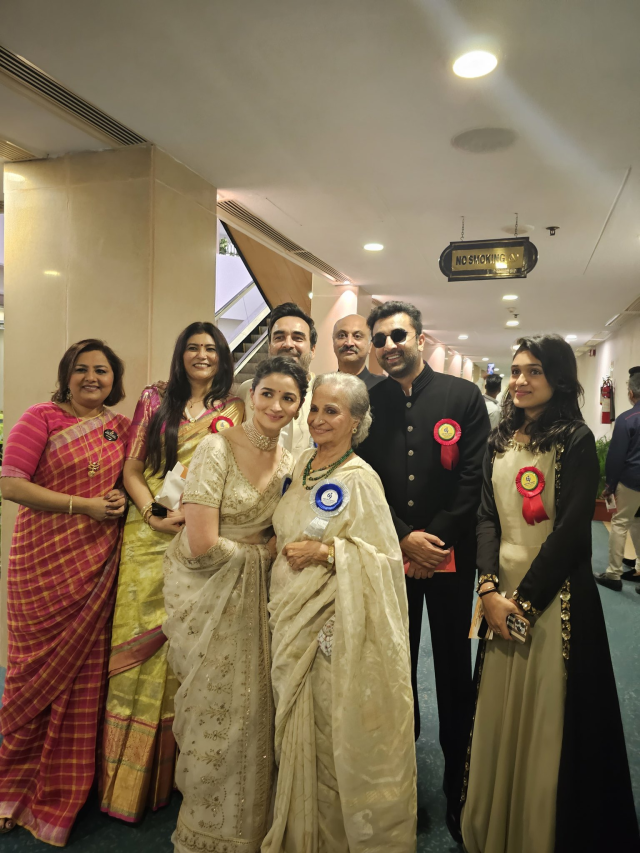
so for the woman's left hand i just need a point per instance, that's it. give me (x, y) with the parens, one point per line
(308, 553)
(117, 502)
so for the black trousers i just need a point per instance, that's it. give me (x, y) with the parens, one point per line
(449, 600)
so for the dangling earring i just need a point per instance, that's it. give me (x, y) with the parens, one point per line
(67, 395)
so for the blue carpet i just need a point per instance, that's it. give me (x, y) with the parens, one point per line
(96, 833)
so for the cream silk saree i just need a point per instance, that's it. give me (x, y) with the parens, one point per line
(344, 740)
(217, 625)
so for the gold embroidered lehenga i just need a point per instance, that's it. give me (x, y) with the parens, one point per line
(217, 625)
(138, 753)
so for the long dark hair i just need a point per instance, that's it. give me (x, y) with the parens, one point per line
(68, 361)
(561, 415)
(178, 392)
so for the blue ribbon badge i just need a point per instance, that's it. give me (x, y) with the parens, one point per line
(286, 482)
(327, 500)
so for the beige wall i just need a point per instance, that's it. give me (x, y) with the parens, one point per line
(131, 234)
(613, 358)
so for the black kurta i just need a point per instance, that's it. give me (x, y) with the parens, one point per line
(595, 809)
(423, 495)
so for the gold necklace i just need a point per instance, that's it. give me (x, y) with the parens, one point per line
(262, 442)
(92, 467)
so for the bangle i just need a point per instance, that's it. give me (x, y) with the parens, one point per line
(145, 509)
(487, 591)
(485, 578)
(70, 504)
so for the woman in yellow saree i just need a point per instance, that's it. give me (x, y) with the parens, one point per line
(344, 739)
(139, 749)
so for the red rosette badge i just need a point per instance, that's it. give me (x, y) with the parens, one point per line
(530, 484)
(447, 433)
(220, 423)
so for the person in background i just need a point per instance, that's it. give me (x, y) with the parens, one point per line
(215, 586)
(138, 752)
(622, 472)
(352, 345)
(341, 669)
(62, 464)
(292, 333)
(426, 443)
(492, 386)
(535, 759)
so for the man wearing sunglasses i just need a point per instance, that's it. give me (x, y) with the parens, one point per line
(427, 442)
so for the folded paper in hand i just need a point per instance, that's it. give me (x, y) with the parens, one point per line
(173, 487)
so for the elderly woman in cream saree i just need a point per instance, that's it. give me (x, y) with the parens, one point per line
(344, 737)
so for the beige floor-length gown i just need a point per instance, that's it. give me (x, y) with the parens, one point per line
(517, 737)
(218, 631)
(341, 677)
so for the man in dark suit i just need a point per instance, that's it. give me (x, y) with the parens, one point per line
(427, 443)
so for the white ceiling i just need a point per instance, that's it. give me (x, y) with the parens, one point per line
(333, 122)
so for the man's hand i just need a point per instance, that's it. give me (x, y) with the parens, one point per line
(425, 550)
(606, 492)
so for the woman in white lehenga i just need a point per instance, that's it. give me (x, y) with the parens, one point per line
(344, 736)
(217, 621)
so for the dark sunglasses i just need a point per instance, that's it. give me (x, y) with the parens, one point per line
(398, 336)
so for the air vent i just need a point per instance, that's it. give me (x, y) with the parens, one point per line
(37, 81)
(243, 215)
(12, 152)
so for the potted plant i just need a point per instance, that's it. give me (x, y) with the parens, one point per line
(601, 512)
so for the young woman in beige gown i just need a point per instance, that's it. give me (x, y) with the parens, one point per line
(341, 672)
(547, 768)
(217, 622)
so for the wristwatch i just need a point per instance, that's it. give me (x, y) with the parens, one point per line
(331, 556)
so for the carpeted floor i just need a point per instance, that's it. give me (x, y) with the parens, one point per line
(95, 833)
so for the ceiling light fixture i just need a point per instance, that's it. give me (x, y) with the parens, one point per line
(477, 63)
(346, 281)
(373, 247)
(571, 338)
(513, 322)
(485, 359)
(509, 297)
(502, 376)
(52, 272)
(463, 337)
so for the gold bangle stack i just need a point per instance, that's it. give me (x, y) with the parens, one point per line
(145, 512)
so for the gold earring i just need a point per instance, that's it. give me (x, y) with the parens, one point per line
(354, 430)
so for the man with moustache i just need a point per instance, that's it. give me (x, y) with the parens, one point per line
(427, 442)
(292, 333)
(352, 346)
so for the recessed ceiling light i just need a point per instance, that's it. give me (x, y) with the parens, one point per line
(485, 359)
(463, 337)
(513, 322)
(346, 281)
(373, 247)
(477, 63)
(515, 347)
(502, 376)
(509, 297)
(52, 272)
(571, 338)
(14, 176)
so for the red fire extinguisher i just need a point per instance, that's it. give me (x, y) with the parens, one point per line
(606, 400)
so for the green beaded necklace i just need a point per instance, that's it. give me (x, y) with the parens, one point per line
(323, 472)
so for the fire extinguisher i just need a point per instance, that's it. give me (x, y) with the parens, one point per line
(606, 401)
